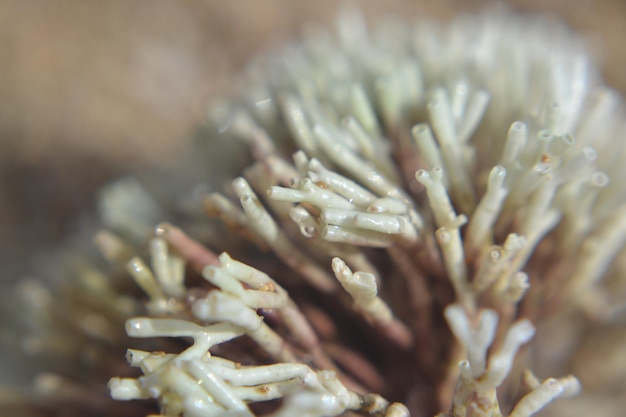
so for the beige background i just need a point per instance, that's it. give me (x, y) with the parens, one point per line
(90, 90)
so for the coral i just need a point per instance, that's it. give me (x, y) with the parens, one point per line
(420, 199)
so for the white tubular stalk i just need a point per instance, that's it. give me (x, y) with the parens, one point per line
(562, 145)
(135, 357)
(245, 127)
(166, 290)
(306, 190)
(218, 205)
(538, 207)
(529, 380)
(516, 289)
(124, 389)
(338, 217)
(126, 207)
(280, 169)
(423, 137)
(388, 205)
(259, 375)
(449, 240)
(348, 400)
(501, 362)
(269, 391)
(385, 223)
(148, 362)
(343, 186)
(571, 386)
(266, 227)
(144, 278)
(218, 389)
(363, 289)
(576, 163)
(244, 273)
(397, 410)
(543, 226)
(112, 247)
(221, 307)
(451, 149)
(356, 237)
(475, 391)
(364, 119)
(389, 95)
(260, 178)
(187, 248)
(172, 382)
(486, 213)
(224, 281)
(438, 198)
(515, 144)
(371, 144)
(577, 203)
(265, 298)
(476, 341)
(301, 162)
(458, 92)
(537, 398)
(346, 204)
(463, 391)
(598, 250)
(491, 265)
(305, 221)
(356, 166)
(168, 268)
(266, 292)
(289, 195)
(147, 327)
(473, 115)
(530, 179)
(298, 124)
(545, 137)
(204, 337)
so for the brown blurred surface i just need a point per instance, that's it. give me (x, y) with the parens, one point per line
(90, 90)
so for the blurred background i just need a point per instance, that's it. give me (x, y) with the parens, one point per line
(92, 90)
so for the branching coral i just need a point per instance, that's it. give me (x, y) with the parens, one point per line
(466, 173)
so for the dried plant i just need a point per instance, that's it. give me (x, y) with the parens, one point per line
(420, 199)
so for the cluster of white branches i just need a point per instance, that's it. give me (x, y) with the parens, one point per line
(196, 383)
(515, 154)
(482, 373)
(204, 385)
(349, 212)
